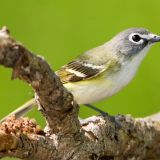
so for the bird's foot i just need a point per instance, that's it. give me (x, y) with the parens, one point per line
(115, 121)
(105, 114)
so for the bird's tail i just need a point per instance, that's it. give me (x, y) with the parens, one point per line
(22, 110)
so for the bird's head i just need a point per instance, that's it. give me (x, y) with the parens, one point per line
(132, 41)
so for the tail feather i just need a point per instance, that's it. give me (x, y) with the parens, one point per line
(22, 110)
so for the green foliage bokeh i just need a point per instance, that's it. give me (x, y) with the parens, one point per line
(60, 30)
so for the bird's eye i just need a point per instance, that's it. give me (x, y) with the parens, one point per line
(136, 38)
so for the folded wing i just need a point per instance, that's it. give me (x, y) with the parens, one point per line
(79, 70)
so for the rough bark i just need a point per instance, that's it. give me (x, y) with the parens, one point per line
(65, 138)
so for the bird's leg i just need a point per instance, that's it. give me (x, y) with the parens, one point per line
(105, 114)
(97, 110)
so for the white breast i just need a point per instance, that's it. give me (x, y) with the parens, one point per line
(85, 92)
(128, 70)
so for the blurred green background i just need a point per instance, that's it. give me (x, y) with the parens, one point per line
(60, 30)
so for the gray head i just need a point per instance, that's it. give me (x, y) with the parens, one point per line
(132, 41)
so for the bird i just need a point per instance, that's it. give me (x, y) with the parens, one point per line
(103, 71)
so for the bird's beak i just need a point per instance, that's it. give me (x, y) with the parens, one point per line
(151, 38)
(154, 38)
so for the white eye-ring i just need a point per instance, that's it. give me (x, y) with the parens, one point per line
(136, 38)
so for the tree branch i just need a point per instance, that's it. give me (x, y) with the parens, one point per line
(96, 138)
(55, 102)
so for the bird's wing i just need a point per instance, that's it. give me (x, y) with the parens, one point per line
(79, 70)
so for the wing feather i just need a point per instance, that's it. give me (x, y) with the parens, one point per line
(77, 71)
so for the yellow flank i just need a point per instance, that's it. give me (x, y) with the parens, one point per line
(88, 91)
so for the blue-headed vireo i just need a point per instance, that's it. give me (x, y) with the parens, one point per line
(102, 71)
